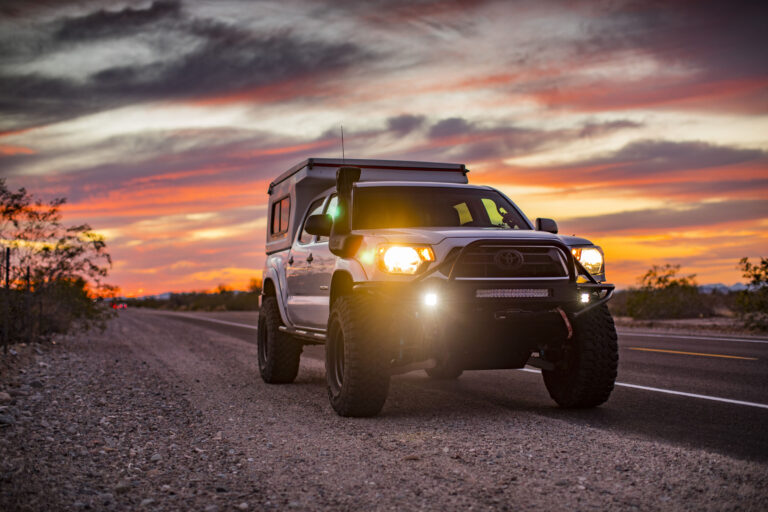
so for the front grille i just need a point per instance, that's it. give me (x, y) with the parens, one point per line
(508, 261)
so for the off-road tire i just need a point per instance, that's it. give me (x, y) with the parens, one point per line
(444, 371)
(592, 357)
(358, 383)
(278, 352)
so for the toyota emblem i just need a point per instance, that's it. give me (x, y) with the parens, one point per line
(508, 259)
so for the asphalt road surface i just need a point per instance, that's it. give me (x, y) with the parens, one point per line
(166, 411)
(705, 392)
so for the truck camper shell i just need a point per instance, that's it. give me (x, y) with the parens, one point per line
(291, 192)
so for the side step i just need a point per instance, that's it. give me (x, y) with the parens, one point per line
(312, 336)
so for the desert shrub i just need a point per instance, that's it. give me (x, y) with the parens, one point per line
(618, 304)
(662, 294)
(201, 301)
(752, 303)
(56, 272)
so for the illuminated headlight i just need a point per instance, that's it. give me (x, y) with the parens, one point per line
(404, 259)
(591, 258)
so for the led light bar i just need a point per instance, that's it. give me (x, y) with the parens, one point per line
(513, 293)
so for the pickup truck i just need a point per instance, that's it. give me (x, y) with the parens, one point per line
(398, 266)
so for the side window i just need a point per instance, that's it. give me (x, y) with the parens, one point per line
(285, 214)
(275, 228)
(315, 208)
(281, 214)
(330, 210)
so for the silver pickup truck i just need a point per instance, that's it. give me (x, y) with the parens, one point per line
(399, 266)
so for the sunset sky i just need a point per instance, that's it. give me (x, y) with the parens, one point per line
(640, 125)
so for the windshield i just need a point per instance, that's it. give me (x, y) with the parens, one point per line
(410, 207)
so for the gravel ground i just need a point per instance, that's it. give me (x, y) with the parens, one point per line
(157, 414)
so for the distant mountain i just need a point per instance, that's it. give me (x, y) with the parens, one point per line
(721, 288)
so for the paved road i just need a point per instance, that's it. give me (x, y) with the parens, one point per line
(707, 392)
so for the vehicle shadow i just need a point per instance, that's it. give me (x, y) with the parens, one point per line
(730, 429)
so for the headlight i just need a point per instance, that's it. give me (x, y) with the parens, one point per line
(591, 258)
(404, 259)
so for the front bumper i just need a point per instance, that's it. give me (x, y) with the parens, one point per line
(483, 323)
(528, 296)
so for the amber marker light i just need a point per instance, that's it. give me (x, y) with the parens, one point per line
(426, 254)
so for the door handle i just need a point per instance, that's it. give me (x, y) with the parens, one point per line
(290, 259)
(310, 258)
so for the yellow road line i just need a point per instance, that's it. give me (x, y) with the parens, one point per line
(691, 353)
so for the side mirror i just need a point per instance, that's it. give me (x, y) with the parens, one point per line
(548, 225)
(319, 225)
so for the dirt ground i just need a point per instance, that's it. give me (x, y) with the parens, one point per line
(159, 414)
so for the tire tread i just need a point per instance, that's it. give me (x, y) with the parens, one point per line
(282, 364)
(590, 382)
(366, 372)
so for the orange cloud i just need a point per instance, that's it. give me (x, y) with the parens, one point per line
(654, 92)
(159, 200)
(170, 176)
(320, 144)
(15, 150)
(273, 93)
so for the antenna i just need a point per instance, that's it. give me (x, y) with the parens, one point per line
(343, 158)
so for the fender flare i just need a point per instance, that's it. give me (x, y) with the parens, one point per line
(353, 268)
(277, 278)
(353, 271)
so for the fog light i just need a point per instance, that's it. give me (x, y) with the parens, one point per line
(430, 299)
(584, 298)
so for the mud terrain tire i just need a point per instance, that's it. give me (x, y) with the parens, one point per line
(356, 363)
(591, 362)
(278, 352)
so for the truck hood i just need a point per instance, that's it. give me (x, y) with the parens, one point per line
(434, 236)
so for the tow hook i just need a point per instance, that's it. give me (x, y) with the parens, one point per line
(567, 322)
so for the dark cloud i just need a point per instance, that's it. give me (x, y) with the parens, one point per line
(405, 124)
(722, 40)
(695, 189)
(646, 157)
(473, 142)
(450, 127)
(232, 62)
(110, 24)
(452, 14)
(660, 219)
(33, 99)
(198, 158)
(225, 59)
(715, 49)
(13, 9)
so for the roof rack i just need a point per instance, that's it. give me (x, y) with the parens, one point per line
(395, 165)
